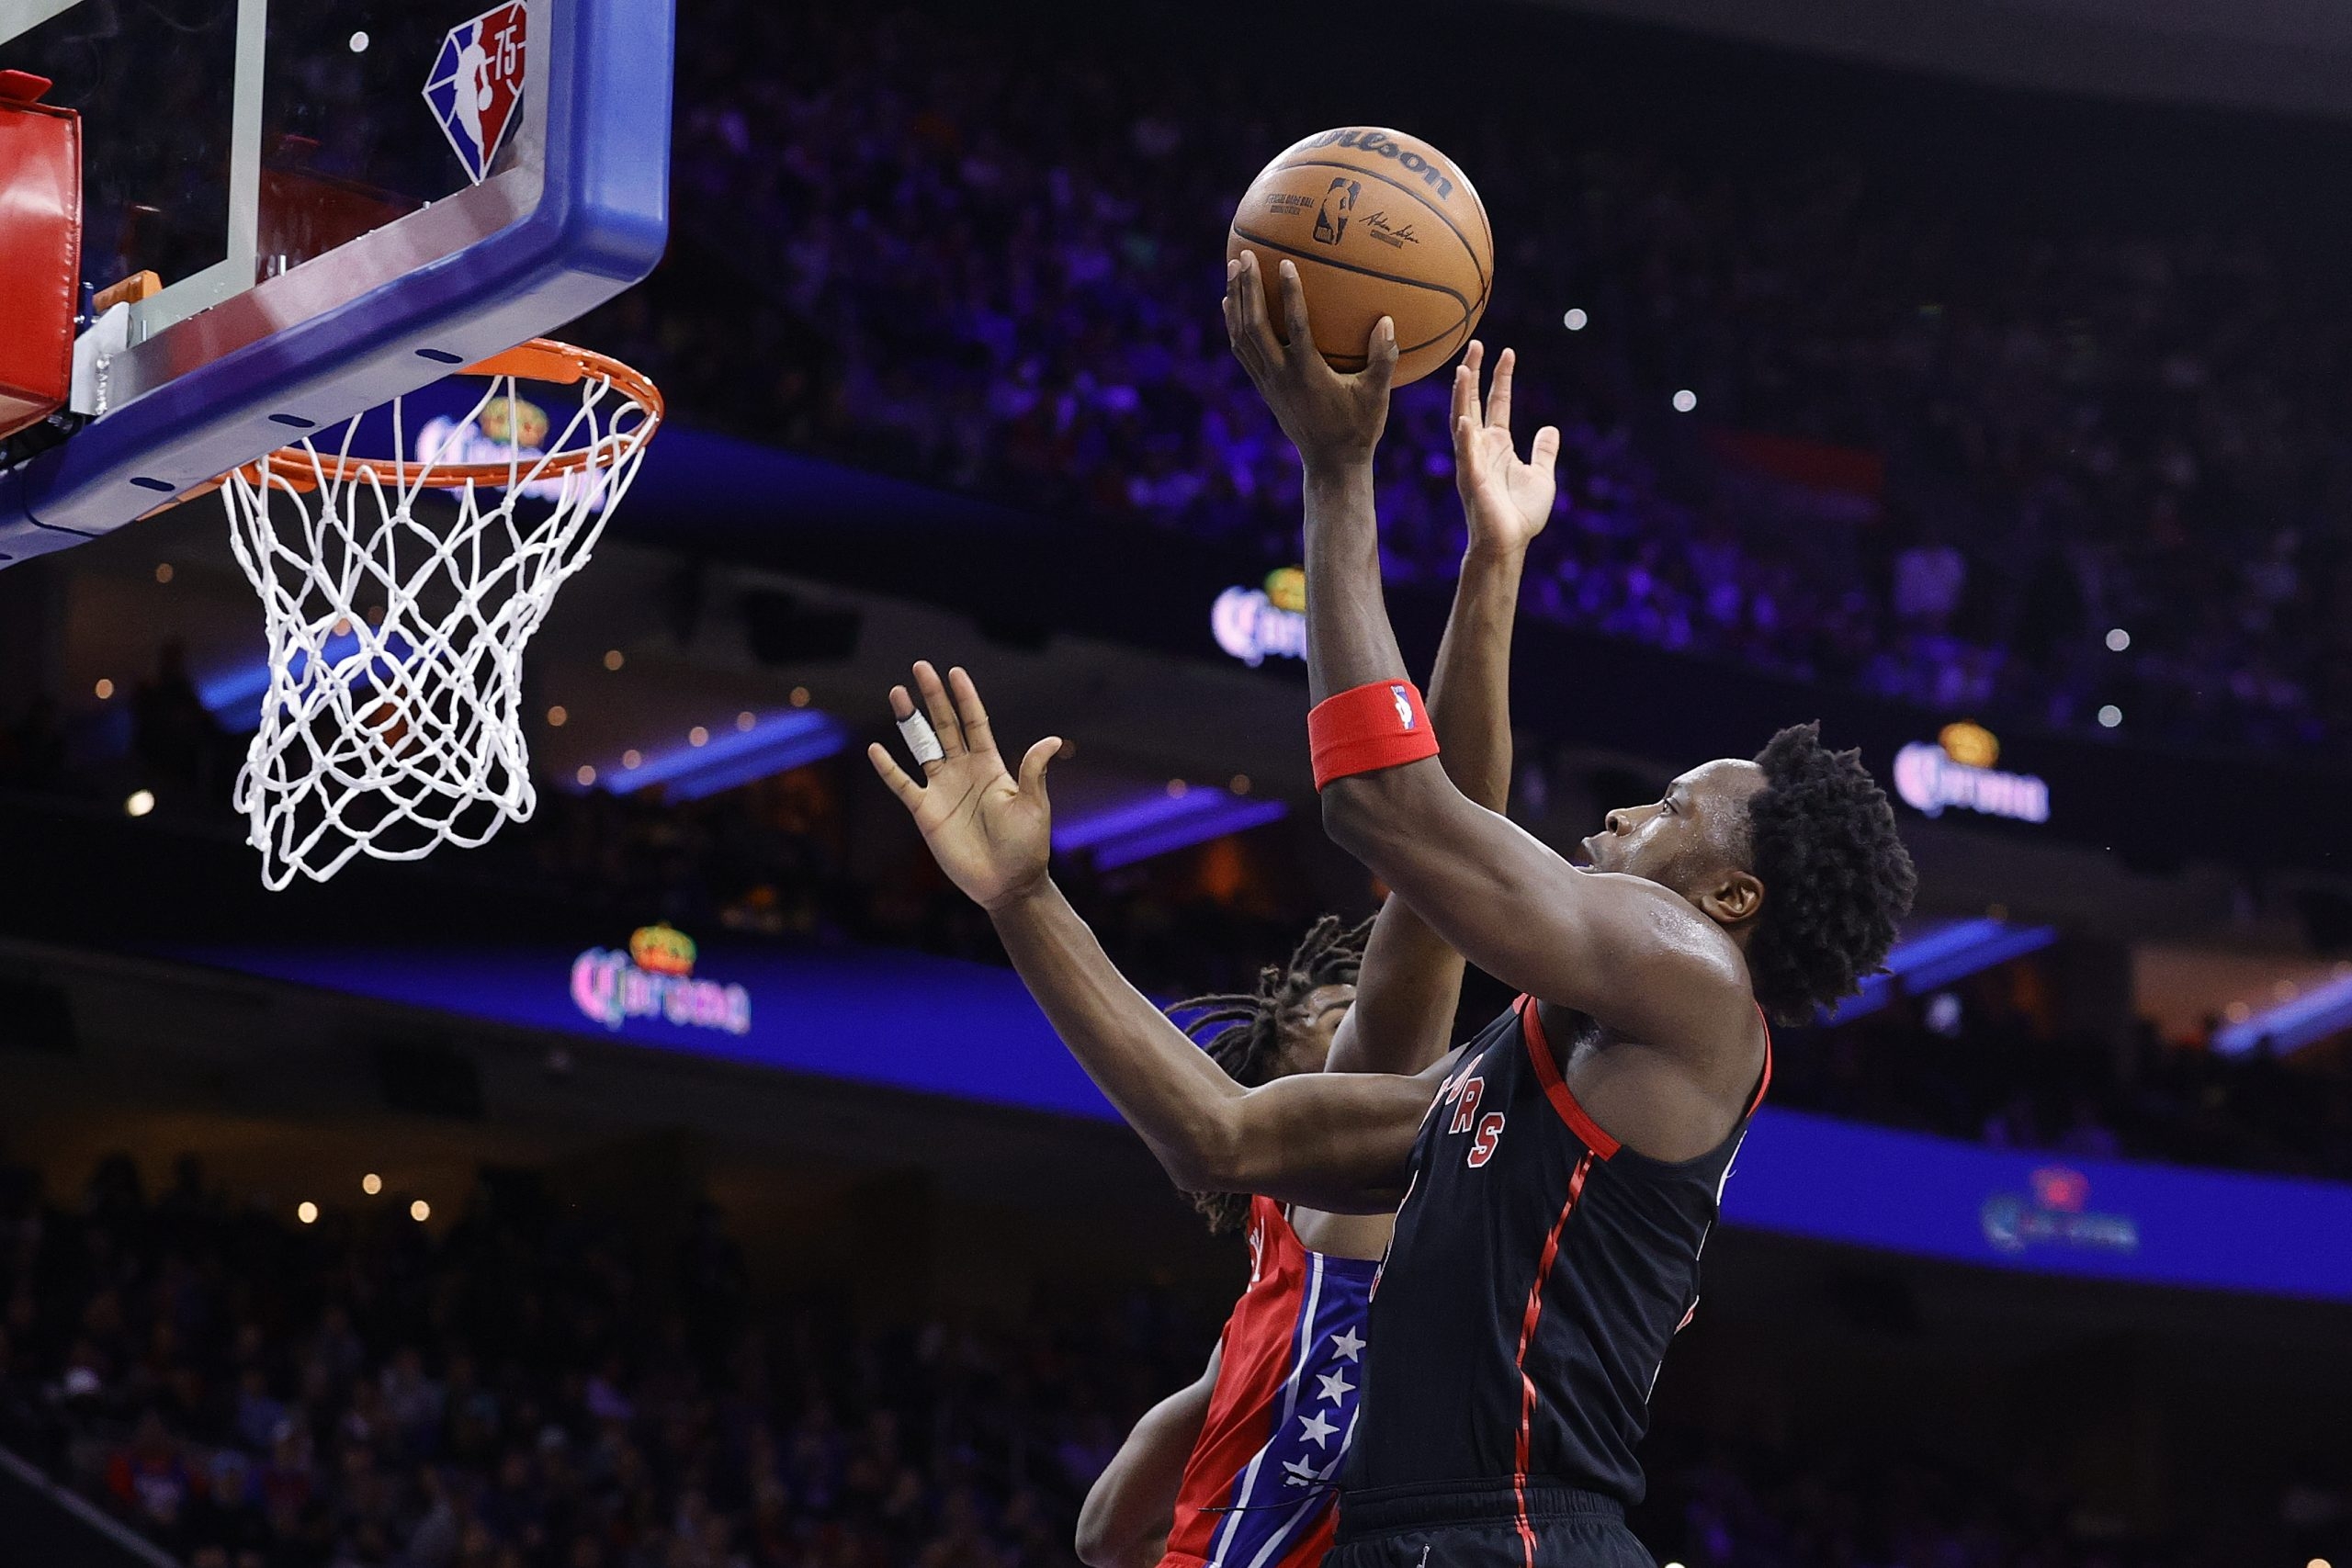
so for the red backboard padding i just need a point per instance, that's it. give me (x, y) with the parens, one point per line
(40, 250)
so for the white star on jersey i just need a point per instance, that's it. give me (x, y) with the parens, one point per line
(1349, 1344)
(1316, 1427)
(1336, 1386)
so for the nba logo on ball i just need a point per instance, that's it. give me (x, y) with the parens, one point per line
(476, 84)
(1331, 220)
(1376, 224)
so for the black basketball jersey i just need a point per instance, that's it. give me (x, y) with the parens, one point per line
(1538, 1272)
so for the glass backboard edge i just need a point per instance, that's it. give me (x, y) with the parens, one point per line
(599, 226)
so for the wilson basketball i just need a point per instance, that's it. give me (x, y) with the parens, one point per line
(1381, 224)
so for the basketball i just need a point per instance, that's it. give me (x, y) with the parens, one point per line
(1381, 224)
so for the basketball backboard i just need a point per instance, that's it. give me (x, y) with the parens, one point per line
(341, 201)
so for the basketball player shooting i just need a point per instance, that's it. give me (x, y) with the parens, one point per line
(1558, 1174)
(1562, 1187)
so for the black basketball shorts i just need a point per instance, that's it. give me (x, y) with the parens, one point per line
(1561, 1527)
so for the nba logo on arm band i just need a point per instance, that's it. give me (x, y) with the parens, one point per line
(1382, 725)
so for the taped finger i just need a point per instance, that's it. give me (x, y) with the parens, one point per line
(920, 739)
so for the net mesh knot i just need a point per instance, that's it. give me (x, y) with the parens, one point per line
(398, 600)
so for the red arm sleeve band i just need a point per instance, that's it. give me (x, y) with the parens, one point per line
(1360, 731)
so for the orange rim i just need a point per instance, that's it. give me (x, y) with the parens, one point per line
(541, 359)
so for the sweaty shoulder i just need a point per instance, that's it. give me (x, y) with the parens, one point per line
(1672, 974)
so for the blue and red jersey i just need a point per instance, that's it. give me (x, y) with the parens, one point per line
(1258, 1491)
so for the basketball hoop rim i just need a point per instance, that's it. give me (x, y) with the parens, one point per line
(541, 359)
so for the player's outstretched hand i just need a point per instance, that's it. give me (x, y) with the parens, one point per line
(1506, 501)
(1332, 419)
(990, 832)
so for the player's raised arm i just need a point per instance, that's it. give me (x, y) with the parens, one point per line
(1410, 979)
(1642, 959)
(1132, 1505)
(1339, 1142)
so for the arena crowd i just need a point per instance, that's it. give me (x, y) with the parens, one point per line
(531, 1389)
(1947, 438)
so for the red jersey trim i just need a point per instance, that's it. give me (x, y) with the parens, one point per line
(1766, 1081)
(1548, 1073)
(1534, 1316)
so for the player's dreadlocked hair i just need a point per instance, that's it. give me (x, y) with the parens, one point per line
(1835, 876)
(1248, 1038)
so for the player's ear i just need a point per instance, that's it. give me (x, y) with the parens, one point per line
(1737, 899)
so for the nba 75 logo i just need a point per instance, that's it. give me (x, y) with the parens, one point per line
(476, 84)
(1331, 217)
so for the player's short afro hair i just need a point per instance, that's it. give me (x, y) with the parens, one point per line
(1837, 878)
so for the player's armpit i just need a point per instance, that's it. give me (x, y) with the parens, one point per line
(1631, 954)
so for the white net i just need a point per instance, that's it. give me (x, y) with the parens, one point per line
(398, 599)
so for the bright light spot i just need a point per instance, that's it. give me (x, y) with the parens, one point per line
(1575, 320)
(1685, 400)
(420, 1210)
(2316, 1563)
(105, 688)
(586, 775)
(2237, 1012)
(343, 627)
(371, 1184)
(556, 717)
(359, 43)
(800, 696)
(141, 803)
(2117, 640)
(698, 736)
(746, 719)
(1943, 1014)
(631, 758)
(2109, 717)
(612, 660)
(1176, 787)
(163, 571)
(1240, 784)
(307, 1212)
(2284, 990)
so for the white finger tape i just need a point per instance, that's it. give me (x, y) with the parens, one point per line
(920, 739)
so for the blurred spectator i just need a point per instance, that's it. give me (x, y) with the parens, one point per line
(148, 1474)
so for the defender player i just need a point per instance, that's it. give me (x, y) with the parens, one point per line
(1237, 1467)
(1560, 1173)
